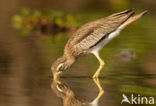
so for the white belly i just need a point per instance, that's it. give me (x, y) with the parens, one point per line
(106, 40)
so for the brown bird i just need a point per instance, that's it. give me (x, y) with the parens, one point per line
(91, 38)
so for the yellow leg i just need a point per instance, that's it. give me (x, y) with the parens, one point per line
(100, 67)
(101, 91)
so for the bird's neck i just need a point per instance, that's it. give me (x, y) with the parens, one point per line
(69, 59)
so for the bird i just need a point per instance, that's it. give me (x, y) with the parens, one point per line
(91, 38)
(64, 91)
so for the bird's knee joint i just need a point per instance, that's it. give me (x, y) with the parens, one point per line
(102, 63)
(102, 91)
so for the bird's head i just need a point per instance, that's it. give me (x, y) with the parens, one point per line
(59, 66)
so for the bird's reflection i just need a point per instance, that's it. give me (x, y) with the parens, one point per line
(63, 91)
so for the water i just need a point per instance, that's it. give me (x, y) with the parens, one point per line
(26, 78)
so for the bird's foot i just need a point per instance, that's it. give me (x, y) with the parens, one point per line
(95, 76)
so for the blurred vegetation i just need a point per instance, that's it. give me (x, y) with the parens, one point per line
(47, 22)
(62, 24)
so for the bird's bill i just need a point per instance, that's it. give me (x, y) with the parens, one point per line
(56, 76)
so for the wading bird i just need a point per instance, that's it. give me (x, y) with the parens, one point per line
(91, 38)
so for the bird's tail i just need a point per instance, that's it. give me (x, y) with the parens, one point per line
(132, 19)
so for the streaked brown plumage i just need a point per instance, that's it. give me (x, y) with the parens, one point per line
(91, 37)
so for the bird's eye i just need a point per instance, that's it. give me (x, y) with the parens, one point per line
(60, 67)
(60, 87)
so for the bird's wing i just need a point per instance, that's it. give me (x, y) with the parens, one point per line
(91, 33)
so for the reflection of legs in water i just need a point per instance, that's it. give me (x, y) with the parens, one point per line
(101, 91)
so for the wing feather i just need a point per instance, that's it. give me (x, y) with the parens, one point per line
(90, 33)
